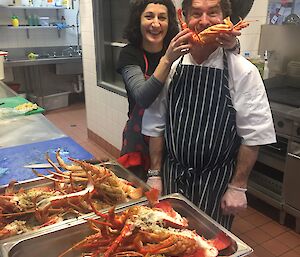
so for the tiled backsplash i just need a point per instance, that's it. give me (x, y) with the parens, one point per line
(106, 111)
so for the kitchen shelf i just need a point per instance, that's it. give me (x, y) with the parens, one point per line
(33, 7)
(27, 28)
(26, 8)
(33, 27)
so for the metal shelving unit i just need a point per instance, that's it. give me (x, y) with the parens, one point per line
(25, 8)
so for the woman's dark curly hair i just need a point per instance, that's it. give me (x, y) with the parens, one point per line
(132, 31)
(225, 7)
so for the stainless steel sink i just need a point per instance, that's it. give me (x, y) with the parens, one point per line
(69, 68)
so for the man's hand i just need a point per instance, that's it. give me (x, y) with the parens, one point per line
(228, 41)
(155, 182)
(233, 201)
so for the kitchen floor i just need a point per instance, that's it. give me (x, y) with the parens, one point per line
(258, 227)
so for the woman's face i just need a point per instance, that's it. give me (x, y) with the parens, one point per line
(154, 26)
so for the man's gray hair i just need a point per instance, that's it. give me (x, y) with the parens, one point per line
(225, 7)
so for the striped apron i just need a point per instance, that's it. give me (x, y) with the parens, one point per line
(201, 137)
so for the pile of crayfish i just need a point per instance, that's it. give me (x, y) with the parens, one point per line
(147, 231)
(210, 34)
(75, 188)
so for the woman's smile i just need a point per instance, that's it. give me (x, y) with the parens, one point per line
(154, 26)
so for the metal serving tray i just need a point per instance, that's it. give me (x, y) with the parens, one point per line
(57, 240)
(120, 171)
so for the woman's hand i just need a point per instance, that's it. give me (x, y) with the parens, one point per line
(178, 46)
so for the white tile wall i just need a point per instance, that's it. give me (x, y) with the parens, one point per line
(250, 36)
(39, 37)
(106, 111)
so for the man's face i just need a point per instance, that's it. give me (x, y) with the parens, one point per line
(203, 14)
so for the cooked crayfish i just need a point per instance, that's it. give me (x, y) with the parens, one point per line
(16, 207)
(145, 231)
(107, 185)
(210, 34)
(74, 190)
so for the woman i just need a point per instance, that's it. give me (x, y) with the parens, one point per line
(154, 44)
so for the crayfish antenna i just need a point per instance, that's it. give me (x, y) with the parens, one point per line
(183, 24)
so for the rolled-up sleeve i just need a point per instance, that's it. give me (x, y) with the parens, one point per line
(253, 117)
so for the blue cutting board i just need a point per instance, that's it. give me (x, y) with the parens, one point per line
(12, 159)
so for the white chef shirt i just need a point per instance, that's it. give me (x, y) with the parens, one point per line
(253, 115)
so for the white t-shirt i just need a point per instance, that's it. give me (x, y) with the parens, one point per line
(253, 115)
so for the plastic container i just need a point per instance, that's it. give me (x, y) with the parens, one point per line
(2, 54)
(58, 3)
(44, 21)
(65, 3)
(51, 102)
(37, 3)
(25, 2)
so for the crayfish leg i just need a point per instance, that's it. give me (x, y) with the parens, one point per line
(126, 231)
(64, 165)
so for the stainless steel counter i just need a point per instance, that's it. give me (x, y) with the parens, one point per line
(27, 129)
(41, 61)
(5, 91)
(24, 129)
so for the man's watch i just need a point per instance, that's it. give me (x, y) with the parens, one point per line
(153, 173)
(236, 48)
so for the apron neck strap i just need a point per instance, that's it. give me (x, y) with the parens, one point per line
(146, 65)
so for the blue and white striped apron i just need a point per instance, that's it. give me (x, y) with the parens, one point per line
(201, 137)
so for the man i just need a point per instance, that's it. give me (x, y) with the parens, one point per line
(214, 114)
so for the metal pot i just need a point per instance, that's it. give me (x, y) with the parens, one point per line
(240, 9)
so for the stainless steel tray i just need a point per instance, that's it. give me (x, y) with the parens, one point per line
(57, 240)
(37, 182)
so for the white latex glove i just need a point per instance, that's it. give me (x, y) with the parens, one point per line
(233, 201)
(155, 182)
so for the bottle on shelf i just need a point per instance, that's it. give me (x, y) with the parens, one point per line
(29, 20)
(266, 66)
(36, 20)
